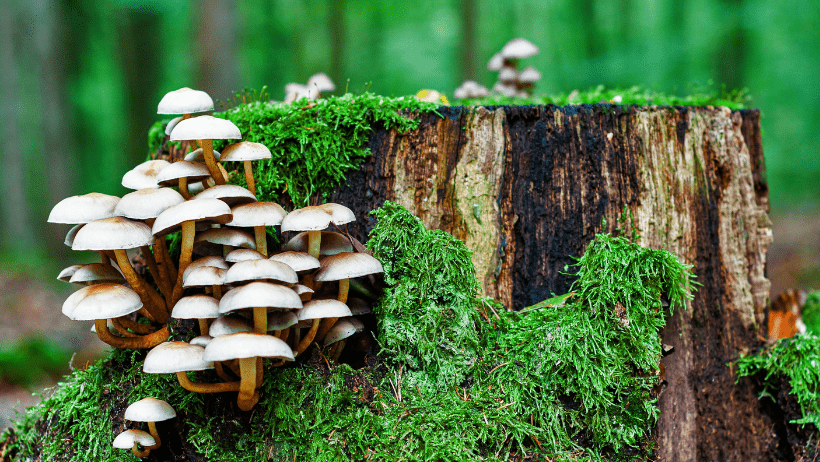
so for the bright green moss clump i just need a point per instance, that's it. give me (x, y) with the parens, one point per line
(457, 378)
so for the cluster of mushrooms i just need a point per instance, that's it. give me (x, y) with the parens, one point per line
(250, 304)
(511, 81)
(149, 410)
(316, 85)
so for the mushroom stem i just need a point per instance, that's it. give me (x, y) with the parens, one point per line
(249, 177)
(138, 453)
(152, 429)
(172, 268)
(336, 350)
(344, 288)
(195, 387)
(122, 329)
(152, 267)
(210, 161)
(327, 324)
(248, 397)
(260, 319)
(314, 242)
(217, 291)
(221, 372)
(154, 301)
(203, 327)
(147, 341)
(261, 240)
(188, 232)
(142, 329)
(307, 338)
(183, 188)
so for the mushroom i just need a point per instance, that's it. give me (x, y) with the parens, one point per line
(315, 311)
(132, 439)
(230, 323)
(78, 210)
(67, 272)
(246, 152)
(230, 194)
(246, 347)
(144, 175)
(341, 331)
(221, 241)
(184, 101)
(470, 89)
(151, 411)
(205, 276)
(314, 219)
(206, 129)
(258, 215)
(180, 358)
(259, 296)
(342, 267)
(331, 243)
(95, 273)
(181, 173)
(238, 255)
(319, 83)
(200, 307)
(295, 92)
(185, 216)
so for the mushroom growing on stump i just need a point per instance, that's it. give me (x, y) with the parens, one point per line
(342, 267)
(117, 234)
(246, 152)
(184, 101)
(258, 215)
(206, 129)
(185, 216)
(246, 347)
(144, 175)
(132, 439)
(110, 301)
(315, 311)
(180, 358)
(150, 410)
(78, 210)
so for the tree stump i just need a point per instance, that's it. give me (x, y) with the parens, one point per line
(527, 187)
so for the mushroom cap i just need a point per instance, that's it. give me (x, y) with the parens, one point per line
(101, 301)
(301, 289)
(215, 261)
(205, 241)
(257, 214)
(320, 309)
(149, 410)
(347, 265)
(332, 243)
(69, 236)
(202, 276)
(205, 128)
(202, 340)
(185, 101)
(496, 62)
(128, 438)
(506, 90)
(193, 171)
(227, 324)
(344, 328)
(238, 255)
(306, 219)
(231, 194)
(247, 345)
(144, 175)
(529, 75)
(112, 234)
(518, 49)
(358, 306)
(173, 357)
(253, 270)
(211, 210)
(299, 261)
(339, 214)
(294, 92)
(320, 82)
(279, 320)
(169, 127)
(83, 209)
(67, 272)
(508, 74)
(147, 203)
(470, 89)
(245, 150)
(198, 155)
(196, 307)
(96, 272)
(259, 294)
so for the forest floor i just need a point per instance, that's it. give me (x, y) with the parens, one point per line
(30, 309)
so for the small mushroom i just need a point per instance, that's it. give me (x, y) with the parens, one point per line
(180, 358)
(315, 311)
(205, 129)
(132, 439)
(246, 152)
(151, 411)
(338, 335)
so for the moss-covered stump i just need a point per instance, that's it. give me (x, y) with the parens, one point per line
(527, 187)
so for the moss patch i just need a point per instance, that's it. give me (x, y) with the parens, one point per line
(456, 379)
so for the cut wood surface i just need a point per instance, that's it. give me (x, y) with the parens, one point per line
(527, 187)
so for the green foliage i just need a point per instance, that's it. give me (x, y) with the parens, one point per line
(427, 318)
(31, 359)
(697, 96)
(811, 313)
(315, 143)
(797, 359)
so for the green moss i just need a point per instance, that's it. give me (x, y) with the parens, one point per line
(457, 378)
(797, 359)
(810, 313)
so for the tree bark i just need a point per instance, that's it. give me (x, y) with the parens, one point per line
(528, 187)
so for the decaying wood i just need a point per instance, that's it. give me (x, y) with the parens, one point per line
(527, 187)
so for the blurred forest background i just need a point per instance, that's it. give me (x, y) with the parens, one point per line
(80, 81)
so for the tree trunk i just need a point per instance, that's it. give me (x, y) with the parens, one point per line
(527, 187)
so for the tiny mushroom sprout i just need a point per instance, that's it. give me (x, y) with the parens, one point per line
(180, 358)
(201, 307)
(315, 311)
(258, 215)
(246, 152)
(341, 331)
(150, 410)
(132, 439)
(342, 267)
(110, 301)
(185, 216)
(181, 173)
(118, 234)
(144, 175)
(206, 129)
(246, 347)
